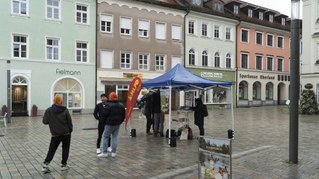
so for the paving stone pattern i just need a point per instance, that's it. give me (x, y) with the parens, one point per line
(260, 148)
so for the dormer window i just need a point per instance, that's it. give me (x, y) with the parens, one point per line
(271, 18)
(250, 13)
(261, 16)
(236, 9)
(217, 7)
(197, 2)
(283, 21)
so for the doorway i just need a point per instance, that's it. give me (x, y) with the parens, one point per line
(19, 100)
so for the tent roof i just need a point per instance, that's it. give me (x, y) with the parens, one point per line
(181, 78)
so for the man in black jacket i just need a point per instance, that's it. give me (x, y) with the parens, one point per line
(60, 123)
(113, 116)
(148, 110)
(98, 114)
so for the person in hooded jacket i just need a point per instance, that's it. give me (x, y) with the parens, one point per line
(199, 113)
(113, 116)
(60, 123)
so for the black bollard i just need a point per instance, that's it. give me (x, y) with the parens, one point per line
(172, 141)
(133, 132)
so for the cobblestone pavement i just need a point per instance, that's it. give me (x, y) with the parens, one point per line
(260, 148)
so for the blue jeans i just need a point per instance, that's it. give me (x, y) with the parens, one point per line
(108, 131)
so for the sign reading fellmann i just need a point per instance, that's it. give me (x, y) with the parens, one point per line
(66, 72)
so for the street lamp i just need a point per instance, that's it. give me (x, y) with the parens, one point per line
(295, 80)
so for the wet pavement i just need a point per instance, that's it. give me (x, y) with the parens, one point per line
(260, 148)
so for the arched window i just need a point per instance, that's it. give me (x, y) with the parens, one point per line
(217, 60)
(204, 58)
(243, 90)
(191, 57)
(71, 92)
(228, 61)
(269, 91)
(257, 90)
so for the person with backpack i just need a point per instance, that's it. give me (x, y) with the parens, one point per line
(200, 111)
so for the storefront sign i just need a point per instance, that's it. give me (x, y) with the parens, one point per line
(132, 75)
(211, 75)
(67, 72)
(262, 77)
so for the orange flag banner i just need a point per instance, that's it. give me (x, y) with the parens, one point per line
(133, 92)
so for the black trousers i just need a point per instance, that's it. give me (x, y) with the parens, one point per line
(201, 129)
(100, 133)
(54, 144)
(149, 122)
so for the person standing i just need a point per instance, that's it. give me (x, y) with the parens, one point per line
(60, 123)
(97, 115)
(113, 116)
(158, 119)
(148, 110)
(200, 111)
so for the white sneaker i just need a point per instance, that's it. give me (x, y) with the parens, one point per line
(64, 167)
(98, 151)
(109, 149)
(45, 168)
(113, 154)
(103, 155)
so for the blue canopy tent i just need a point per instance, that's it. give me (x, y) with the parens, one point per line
(180, 78)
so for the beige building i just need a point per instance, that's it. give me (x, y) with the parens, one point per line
(136, 38)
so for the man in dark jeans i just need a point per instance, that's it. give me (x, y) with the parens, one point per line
(148, 108)
(97, 114)
(60, 123)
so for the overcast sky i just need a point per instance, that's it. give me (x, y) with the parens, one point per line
(283, 6)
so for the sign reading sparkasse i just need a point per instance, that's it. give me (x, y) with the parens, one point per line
(262, 77)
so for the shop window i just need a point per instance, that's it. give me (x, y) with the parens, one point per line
(256, 91)
(71, 92)
(243, 90)
(269, 91)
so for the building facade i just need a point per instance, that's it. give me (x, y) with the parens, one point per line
(210, 45)
(310, 45)
(136, 38)
(47, 48)
(263, 55)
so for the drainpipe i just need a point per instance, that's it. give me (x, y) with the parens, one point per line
(96, 24)
(236, 67)
(187, 12)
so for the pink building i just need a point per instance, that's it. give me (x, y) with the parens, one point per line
(263, 52)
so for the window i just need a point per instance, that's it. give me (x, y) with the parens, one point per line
(20, 7)
(106, 23)
(159, 63)
(259, 62)
(204, 30)
(256, 91)
(106, 59)
(176, 32)
(280, 64)
(53, 49)
(204, 58)
(217, 7)
(82, 14)
(259, 38)
(269, 63)
(270, 40)
(216, 31)
(160, 29)
(53, 9)
(228, 33)
(143, 28)
(280, 42)
(283, 21)
(244, 60)
(217, 60)
(125, 25)
(143, 61)
(243, 90)
(81, 52)
(236, 9)
(125, 60)
(261, 16)
(71, 92)
(191, 27)
(228, 61)
(19, 46)
(271, 18)
(244, 35)
(269, 91)
(191, 57)
(250, 13)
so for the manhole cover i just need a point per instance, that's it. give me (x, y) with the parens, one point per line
(89, 128)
